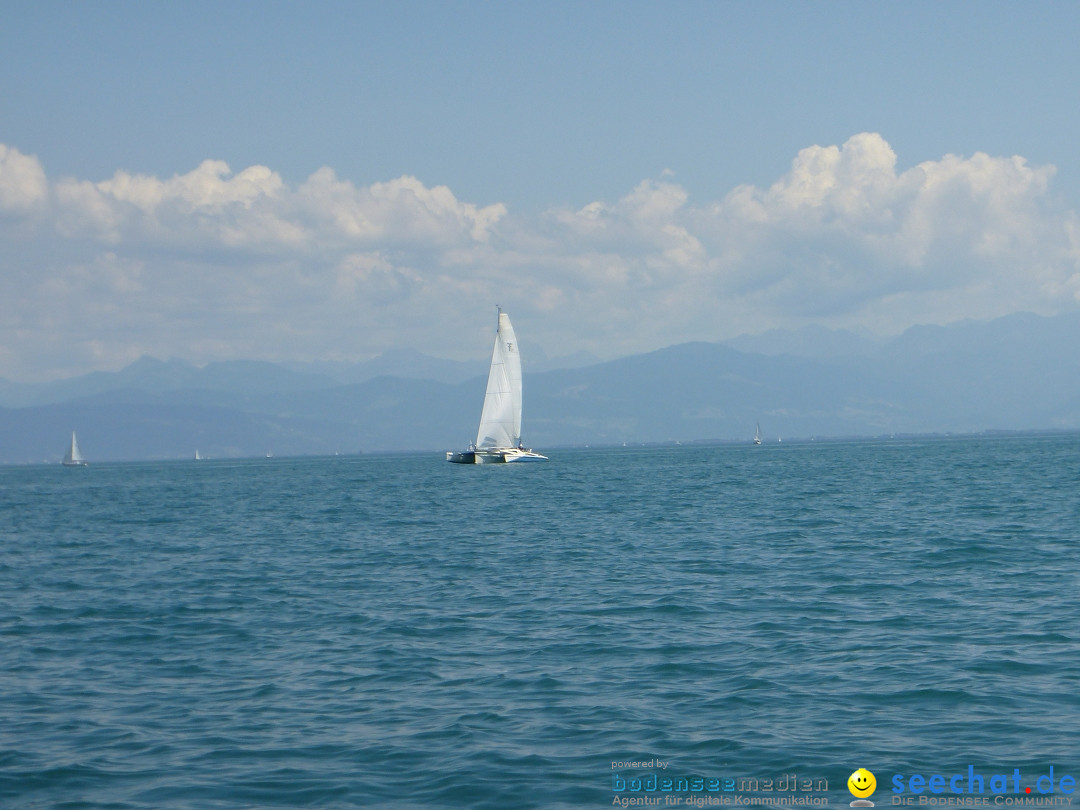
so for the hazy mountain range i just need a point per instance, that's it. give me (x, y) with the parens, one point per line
(1021, 372)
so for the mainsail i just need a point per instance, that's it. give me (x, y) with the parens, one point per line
(500, 422)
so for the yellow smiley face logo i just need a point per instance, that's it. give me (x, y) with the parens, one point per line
(861, 783)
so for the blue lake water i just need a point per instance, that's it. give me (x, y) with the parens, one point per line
(399, 631)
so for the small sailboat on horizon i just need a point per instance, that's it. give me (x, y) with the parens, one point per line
(74, 457)
(498, 440)
(757, 434)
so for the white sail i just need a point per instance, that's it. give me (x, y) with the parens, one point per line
(500, 422)
(74, 457)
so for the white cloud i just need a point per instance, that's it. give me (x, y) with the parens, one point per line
(204, 207)
(401, 210)
(843, 231)
(372, 278)
(23, 186)
(209, 188)
(210, 207)
(214, 263)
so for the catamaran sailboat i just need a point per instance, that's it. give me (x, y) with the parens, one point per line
(499, 438)
(74, 458)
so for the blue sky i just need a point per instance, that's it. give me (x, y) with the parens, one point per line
(320, 181)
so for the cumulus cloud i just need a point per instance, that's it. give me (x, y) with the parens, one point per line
(328, 268)
(843, 238)
(255, 210)
(401, 210)
(980, 204)
(23, 187)
(372, 278)
(843, 231)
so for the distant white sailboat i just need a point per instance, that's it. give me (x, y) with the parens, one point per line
(74, 458)
(757, 435)
(197, 456)
(499, 438)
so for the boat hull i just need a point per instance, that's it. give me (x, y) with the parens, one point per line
(518, 456)
(495, 456)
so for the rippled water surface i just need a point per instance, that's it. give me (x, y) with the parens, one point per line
(399, 631)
